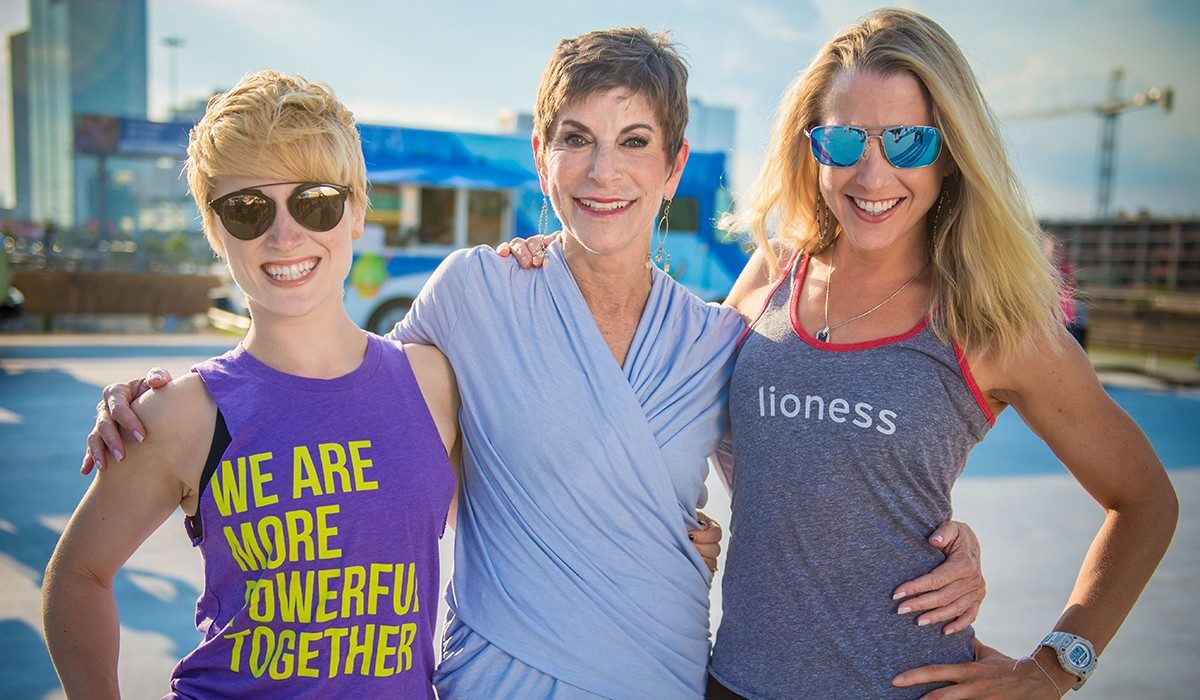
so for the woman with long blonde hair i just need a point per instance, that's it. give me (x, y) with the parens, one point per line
(898, 301)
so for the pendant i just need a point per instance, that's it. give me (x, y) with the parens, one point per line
(823, 335)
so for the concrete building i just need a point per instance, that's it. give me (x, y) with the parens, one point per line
(84, 57)
(1146, 252)
(711, 128)
(18, 51)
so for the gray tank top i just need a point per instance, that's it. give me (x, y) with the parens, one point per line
(844, 459)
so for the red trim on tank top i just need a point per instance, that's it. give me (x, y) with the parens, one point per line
(767, 302)
(798, 328)
(970, 379)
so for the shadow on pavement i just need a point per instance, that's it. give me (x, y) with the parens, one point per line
(50, 412)
(25, 668)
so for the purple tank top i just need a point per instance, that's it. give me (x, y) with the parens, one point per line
(319, 529)
(863, 440)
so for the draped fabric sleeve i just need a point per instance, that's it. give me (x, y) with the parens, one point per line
(436, 311)
(722, 461)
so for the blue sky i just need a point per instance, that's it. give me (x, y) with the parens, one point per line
(459, 64)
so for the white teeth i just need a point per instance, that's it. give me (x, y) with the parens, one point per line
(604, 206)
(288, 273)
(875, 207)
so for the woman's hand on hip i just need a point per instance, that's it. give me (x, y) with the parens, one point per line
(953, 591)
(707, 540)
(990, 675)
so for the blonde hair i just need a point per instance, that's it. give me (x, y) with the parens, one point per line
(631, 58)
(277, 127)
(994, 288)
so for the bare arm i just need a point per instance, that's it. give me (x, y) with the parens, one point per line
(1056, 392)
(752, 286)
(121, 509)
(435, 376)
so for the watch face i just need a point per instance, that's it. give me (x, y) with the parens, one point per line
(1079, 655)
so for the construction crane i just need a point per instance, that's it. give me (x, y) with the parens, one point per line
(1108, 111)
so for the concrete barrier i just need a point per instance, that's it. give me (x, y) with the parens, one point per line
(55, 292)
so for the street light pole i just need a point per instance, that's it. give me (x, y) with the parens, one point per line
(173, 44)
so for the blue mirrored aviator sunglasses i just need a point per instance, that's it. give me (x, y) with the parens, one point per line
(841, 146)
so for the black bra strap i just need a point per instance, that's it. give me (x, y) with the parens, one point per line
(220, 442)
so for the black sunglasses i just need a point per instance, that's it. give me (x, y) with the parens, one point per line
(248, 213)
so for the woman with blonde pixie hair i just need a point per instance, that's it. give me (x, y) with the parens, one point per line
(899, 301)
(278, 126)
(291, 455)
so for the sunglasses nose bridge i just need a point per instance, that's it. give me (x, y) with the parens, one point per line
(867, 154)
(284, 231)
(874, 170)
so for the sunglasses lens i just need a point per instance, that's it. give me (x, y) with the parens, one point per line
(911, 146)
(837, 146)
(318, 207)
(246, 216)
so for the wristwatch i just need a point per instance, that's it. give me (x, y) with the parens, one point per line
(1075, 654)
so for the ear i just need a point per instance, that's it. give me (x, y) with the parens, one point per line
(948, 167)
(358, 222)
(538, 165)
(677, 170)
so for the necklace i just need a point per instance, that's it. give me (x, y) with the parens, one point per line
(823, 334)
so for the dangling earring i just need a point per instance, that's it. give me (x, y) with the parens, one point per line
(664, 228)
(544, 219)
(937, 212)
(822, 223)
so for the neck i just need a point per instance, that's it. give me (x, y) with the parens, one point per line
(319, 345)
(618, 281)
(901, 260)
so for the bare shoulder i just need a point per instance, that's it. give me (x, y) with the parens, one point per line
(179, 420)
(428, 362)
(184, 399)
(435, 377)
(1043, 368)
(755, 282)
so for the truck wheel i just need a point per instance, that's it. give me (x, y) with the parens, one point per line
(385, 318)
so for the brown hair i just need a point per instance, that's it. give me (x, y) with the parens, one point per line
(631, 58)
(278, 127)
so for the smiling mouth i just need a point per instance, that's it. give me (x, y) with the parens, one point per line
(875, 208)
(613, 205)
(290, 273)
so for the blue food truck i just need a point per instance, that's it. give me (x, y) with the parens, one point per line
(435, 191)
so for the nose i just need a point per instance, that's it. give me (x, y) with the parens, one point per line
(285, 232)
(604, 168)
(873, 171)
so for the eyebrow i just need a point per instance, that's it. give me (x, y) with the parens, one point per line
(571, 123)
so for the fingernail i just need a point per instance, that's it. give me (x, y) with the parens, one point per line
(120, 457)
(904, 610)
(899, 595)
(138, 436)
(947, 630)
(922, 623)
(936, 539)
